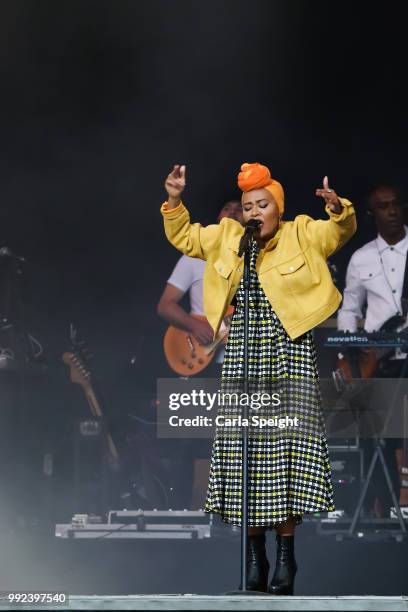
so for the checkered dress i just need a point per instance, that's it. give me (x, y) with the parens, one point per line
(288, 471)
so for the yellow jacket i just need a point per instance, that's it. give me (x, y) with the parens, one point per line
(292, 267)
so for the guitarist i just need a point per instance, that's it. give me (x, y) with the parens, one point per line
(377, 287)
(187, 276)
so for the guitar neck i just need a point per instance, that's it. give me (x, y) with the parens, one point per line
(93, 402)
(97, 412)
(220, 336)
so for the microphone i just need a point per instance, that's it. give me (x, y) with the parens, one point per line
(5, 252)
(250, 229)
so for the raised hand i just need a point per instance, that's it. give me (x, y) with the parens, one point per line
(330, 196)
(175, 184)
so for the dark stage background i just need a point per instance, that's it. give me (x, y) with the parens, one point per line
(100, 98)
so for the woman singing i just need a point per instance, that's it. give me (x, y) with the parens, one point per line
(291, 291)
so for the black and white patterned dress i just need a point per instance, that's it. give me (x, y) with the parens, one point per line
(289, 471)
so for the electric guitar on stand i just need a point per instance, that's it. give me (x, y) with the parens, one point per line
(81, 375)
(183, 352)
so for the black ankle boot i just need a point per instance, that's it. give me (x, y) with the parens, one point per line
(285, 570)
(257, 564)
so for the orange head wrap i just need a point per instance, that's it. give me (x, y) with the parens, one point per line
(256, 176)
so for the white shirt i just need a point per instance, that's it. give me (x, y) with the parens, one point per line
(188, 275)
(374, 282)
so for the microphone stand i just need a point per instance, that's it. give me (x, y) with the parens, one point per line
(245, 415)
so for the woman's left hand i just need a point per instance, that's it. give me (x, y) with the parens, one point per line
(330, 197)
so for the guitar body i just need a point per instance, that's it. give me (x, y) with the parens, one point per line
(364, 366)
(368, 361)
(184, 354)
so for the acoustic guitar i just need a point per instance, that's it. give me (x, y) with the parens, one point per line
(185, 355)
(81, 375)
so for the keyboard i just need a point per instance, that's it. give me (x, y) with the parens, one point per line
(381, 339)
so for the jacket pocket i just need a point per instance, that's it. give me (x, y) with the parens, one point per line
(223, 269)
(292, 265)
(296, 276)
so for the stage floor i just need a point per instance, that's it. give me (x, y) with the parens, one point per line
(150, 574)
(222, 602)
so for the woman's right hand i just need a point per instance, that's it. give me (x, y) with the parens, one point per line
(175, 184)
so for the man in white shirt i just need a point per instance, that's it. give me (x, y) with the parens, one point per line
(375, 274)
(374, 287)
(187, 276)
